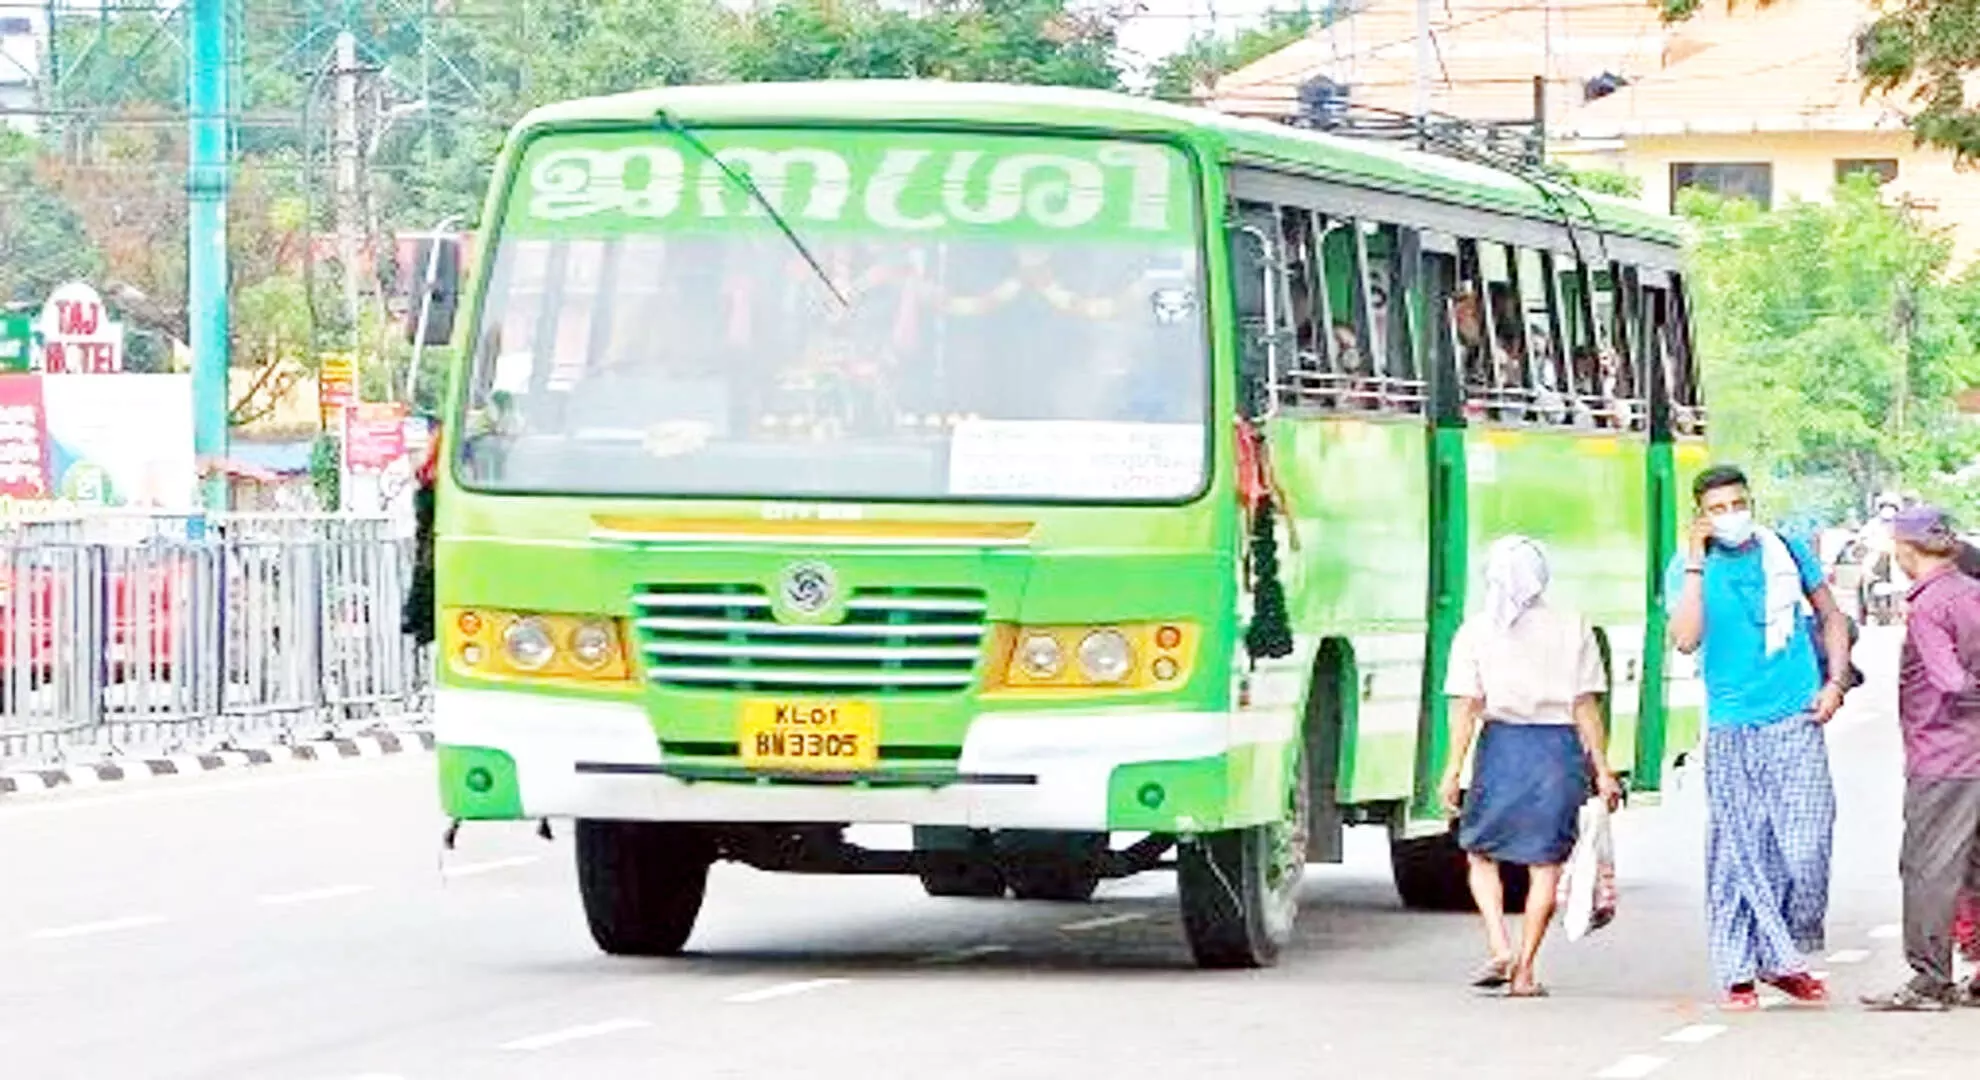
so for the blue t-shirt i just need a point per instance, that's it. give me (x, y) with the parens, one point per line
(1744, 687)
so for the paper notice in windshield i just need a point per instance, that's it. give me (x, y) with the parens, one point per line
(1075, 459)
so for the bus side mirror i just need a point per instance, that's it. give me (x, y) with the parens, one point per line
(436, 292)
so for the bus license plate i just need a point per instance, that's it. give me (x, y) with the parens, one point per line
(809, 735)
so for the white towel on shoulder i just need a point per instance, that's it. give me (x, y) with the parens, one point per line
(1785, 599)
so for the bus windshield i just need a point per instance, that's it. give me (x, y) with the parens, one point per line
(1021, 320)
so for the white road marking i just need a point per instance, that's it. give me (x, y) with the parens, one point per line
(1887, 932)
(106, 926)
(783, 990)
(957, 956)
(1849, 956)
(474, 869)
(1104, 920)
(1695, 1034)
(1633, 1067)
(328, 892)
(201, 785)
(573, 1034)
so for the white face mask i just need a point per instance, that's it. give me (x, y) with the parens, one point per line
(1733, 528)
(1887, 513)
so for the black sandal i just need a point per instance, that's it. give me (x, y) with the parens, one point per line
(1492, 974)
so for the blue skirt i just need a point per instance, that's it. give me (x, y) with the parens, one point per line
(1528, 782)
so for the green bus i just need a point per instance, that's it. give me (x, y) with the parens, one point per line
(1087, 483)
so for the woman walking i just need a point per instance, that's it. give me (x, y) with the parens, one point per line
(1525, 678)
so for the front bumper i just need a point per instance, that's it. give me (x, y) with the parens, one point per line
(521, 755)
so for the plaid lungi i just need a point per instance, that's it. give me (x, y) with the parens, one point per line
(1773, 813)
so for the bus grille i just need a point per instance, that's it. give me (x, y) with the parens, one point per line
(724, 637)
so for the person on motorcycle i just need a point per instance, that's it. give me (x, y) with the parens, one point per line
(1883, 580)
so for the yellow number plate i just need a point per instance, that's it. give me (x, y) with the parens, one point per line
(798, 734)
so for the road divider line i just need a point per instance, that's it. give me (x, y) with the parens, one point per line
(1695, 1034)
(957, 956)
(573, 1034)
(1849, 956)
(1633, 1067)
(328, 892)
(1103, 921)
(1887, 932)
(105, 926)
(475, 869)
(783, 990)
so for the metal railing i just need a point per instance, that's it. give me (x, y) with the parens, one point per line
(128, 632)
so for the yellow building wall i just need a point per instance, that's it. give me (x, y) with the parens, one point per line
(1805, 167)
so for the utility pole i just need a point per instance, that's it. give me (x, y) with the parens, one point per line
(1422, 71)
(345, 151)
(211, 144)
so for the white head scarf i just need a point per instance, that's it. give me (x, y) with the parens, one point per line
(1515, 579)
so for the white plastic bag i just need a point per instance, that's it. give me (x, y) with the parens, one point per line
(1589, 882)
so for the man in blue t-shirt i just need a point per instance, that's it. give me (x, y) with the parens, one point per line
(1750, 604)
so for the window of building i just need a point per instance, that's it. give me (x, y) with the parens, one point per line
(1884, 170)
(1732, 180)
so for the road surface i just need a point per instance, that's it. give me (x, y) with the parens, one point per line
(301, 923)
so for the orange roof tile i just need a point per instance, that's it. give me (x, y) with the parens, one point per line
(1485, 56)
(1788, 67)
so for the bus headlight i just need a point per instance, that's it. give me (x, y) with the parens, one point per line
(485, 643)
(1040, 657)
(592, 645)
(1105, 656)
(528, 644)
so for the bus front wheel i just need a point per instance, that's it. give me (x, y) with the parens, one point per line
(1240, 887)
(642, 883)
(1432, 874)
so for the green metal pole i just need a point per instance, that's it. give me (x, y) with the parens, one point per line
(206, 236)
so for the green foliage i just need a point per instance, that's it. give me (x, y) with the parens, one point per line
(326, 472)
(1027, 41)
(1833, 346)
(1924, 48)
(42, 243)
(1209, 55)
(1605, 182)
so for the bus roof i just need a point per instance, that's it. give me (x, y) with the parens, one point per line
(1234, 139)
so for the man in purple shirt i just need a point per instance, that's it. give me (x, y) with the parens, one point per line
(1939, 711)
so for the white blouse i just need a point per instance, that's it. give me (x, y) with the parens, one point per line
(1530, 674)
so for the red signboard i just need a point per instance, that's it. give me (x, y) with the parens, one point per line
(374, 434)
(23, 438)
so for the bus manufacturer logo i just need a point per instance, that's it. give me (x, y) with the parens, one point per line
(808, 590)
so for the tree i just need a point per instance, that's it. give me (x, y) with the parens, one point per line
(1604, 182)
(42, 241)
(1191, 73)
(1023, 41)
(1833, 347)
(1925, 47)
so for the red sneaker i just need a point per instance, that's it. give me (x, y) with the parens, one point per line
(1741, 998)
(1802, 987)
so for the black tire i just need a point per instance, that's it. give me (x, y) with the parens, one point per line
(1063, 867)
(1432, 874)
(1240, 888)
(642, 884)
(953, 861)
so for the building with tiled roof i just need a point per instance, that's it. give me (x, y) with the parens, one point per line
(1773, 108)
(1484, 57)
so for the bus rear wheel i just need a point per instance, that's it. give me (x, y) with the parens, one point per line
(1432, 874)
(642, 884)
(1240, 887)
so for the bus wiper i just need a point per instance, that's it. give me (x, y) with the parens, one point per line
(743, 181)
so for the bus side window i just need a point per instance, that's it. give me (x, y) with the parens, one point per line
(1688, 415)
(1388, 319)
(1440, 293)
(1540, 306)
(1347, 337)
(1587, 405)
(1505, 334)
(1309, 377)
(1263, 305)
(1627, 384)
